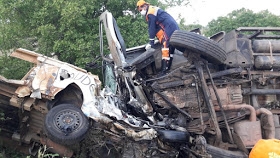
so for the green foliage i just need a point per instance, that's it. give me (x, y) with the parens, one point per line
(10, 152)
(135, 33)
(13, 68)
(190, 27)
(43, 153)
(242, 18)
(172, 3)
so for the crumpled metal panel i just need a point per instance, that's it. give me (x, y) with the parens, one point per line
(23, 91)
(44, 79)
(49, 76)
(182, 97)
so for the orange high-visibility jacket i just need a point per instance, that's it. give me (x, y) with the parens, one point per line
(158, 20)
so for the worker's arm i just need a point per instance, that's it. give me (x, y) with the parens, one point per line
(152, 28)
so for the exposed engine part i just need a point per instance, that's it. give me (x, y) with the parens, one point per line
(248, 131)
(267, 123)
(230, 94)
(185, 97)
(252, 117)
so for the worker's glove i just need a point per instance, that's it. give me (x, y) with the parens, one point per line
(156, 41)
(151, 44)
(148, 46)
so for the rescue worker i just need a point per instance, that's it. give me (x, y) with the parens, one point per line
(161, 25)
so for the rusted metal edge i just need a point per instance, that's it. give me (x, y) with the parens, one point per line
(11, 81)
(26, 55)
(36, 58)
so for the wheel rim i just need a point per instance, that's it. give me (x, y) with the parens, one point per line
(67, 121)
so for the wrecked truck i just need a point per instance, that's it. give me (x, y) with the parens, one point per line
(220, 96)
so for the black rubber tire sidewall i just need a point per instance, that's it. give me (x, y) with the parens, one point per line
(58, 136)
(207, 48)
(216, 152)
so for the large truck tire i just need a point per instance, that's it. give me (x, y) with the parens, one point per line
(207, 48)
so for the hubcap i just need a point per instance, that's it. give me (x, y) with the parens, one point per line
(67, 121)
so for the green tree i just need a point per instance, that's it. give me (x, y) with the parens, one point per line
(242, 18)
